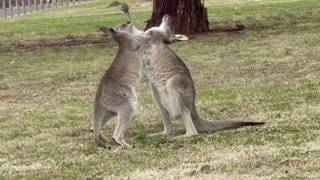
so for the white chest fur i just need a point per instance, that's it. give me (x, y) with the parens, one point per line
(147, 58)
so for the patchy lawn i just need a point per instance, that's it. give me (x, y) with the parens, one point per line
(269, 72)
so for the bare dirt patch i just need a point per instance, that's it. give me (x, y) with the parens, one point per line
(238, 28)
(7, 94)
(101, 41)
(232, 31)
(64, 43)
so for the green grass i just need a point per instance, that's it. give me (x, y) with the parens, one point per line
(269, 73)
(268, 15)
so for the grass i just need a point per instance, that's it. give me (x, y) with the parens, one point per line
(268, 73)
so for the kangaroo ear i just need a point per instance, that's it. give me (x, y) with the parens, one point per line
(179, 37)
(166, 19)
(104, 29)
(112, 31)
(107, 30)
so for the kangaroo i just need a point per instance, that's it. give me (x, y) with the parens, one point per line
(172, 86)
(116, 94)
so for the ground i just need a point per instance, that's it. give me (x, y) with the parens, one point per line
(52, 62)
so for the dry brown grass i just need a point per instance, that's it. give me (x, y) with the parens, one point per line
(270, 74)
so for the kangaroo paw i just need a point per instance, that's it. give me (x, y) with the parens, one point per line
(101, 143)
(105, 139)
(122, 143)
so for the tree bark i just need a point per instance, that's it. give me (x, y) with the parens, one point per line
(188, 16)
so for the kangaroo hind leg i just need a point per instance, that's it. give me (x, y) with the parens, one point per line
(189, 125)
(168, 128)
(100, 119)
(124, 116)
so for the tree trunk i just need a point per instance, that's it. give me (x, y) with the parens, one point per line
(188, 16)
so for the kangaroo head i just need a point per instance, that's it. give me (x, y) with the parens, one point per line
(166, 31)
(124, 35)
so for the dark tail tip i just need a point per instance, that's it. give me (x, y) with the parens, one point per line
(252, 123)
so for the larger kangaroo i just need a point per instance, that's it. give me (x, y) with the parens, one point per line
(172, 86)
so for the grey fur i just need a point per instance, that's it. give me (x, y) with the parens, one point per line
(172, 86)
(116, 94)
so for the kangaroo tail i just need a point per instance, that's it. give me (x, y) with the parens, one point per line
(210, 126)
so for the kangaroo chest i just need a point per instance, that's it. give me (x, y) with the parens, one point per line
(158, 69)
(151, 68)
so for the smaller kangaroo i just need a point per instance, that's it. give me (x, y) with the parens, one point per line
(116, 94)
